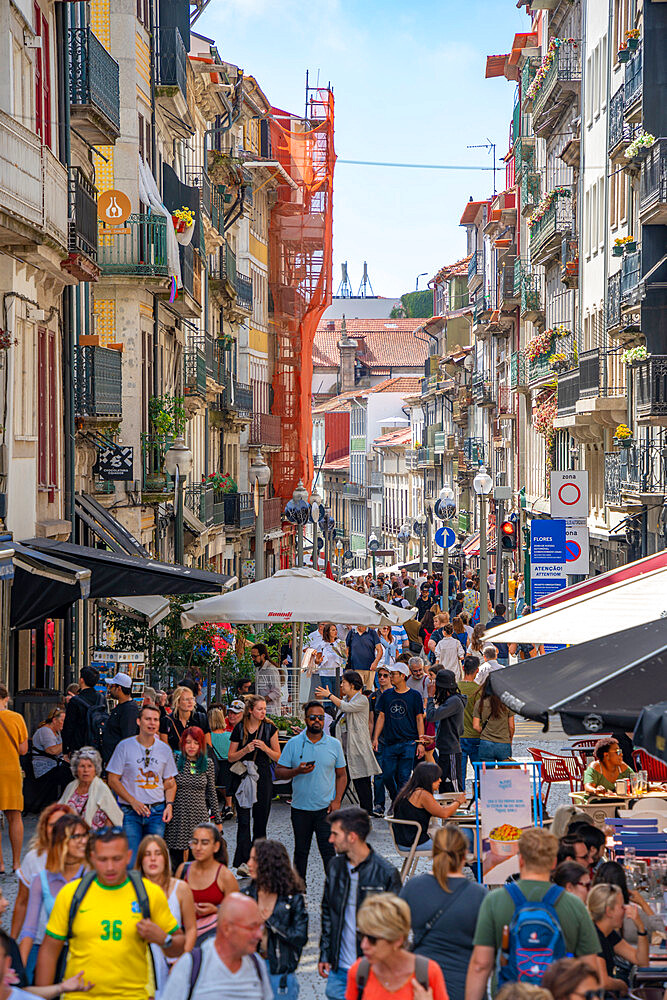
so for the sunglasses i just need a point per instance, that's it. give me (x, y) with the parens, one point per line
(107, 833)
(314, 718)
(371, 938)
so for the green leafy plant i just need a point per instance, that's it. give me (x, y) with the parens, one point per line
(634, 354)
(167, 414)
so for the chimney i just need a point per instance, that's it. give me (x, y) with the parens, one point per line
(347, 349)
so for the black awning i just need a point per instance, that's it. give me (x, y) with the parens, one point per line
(44, 586)
(110, 531)
(604, 683)
(651, 730)
(114, 574)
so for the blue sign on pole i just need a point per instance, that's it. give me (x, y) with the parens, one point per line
(445, 537)
(547, 541)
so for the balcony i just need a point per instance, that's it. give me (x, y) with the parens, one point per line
(530, 192)
(518, 370)
(481, 311)
(531, 296)
(82, 228)
(560, 85)
(155, 481)
(614, 301)
(411, 459)
(98, 384)
(426, 457)
(172, 88)
(637, 472)
(33, 195)
(475, 270)
(524, 155)
(568, 392)
(215, 358)
(507, 402)
(528, 71)
(508, 295)
(273, 515)
(212, 207)
(540, 368)
(265, 431)
(556, 224)
(633, 87)
(650, 379)
(199, 499)
(137, 248)
(238, 509)
(653, 186)
(474, 451)
(620, 132)
(94, 89)
(238, 396)
(244, 292)
(482, 391)
(189, 298)
(194, 370)
(631, 268)
(569, 272)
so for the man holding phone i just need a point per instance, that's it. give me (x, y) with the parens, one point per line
(315, 764)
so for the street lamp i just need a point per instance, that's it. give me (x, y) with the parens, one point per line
(373, 545)
(297, 511)
(178, 463)
(421, 531)
(444, 508)
(259, 475)
(482, 485)
(403, 539)
(315, 514)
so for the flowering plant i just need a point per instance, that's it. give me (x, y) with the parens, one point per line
(542, 343)
(632, 33)
(643, 140)
(544, 415)
(185, 215)
(622, 240)
(634, 354)
(558, 359)
(546, 202)
(220, 481)
(543, 69)
(622, 433)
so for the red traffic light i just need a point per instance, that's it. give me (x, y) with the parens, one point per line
(507, 528)
(508, 537)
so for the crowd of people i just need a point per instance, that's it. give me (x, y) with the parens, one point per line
(127, 891)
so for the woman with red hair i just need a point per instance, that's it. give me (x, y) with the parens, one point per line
(196, 798)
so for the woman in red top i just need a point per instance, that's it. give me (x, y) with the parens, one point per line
(208, 876)
(383, 921)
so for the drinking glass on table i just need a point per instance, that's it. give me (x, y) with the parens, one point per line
(636, 783)
(644, 776)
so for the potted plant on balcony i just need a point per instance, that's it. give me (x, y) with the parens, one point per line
(559, 361)
(634, 354)
(622, 245)
(184, 224)
(221, 482)
(623, 436)
(623, 54)
(640, 146)
(632, 39)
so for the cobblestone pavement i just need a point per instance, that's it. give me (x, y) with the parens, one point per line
(312, 986)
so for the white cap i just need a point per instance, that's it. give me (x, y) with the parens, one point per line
(124, 680)
(400, 668)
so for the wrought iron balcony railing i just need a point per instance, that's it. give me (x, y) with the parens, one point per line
(474, 450)
(244, 291)
(620, 132)
(568, 392)
(82, 214)
(517, 370)
(94, 87)
(273, 514)
(194, 370)
(153, 449)
(476, 266)
(562, 77)
(650, 377)
(198, 498)
(614, 301)
(172, 61)
(265, 430)
(98, 383)
(640, 470)
(653, 185)
(631, 268)
(634, 83)
(138, 247)
(239, 510)
(547, 234)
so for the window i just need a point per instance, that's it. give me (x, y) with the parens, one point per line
(144, 13)
(587, 224)
(47, 433)
(24, 382)
(43, 79)
(589, 90)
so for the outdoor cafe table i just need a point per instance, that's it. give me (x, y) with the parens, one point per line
(600, 808)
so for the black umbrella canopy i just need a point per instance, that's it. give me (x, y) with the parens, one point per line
(651, 730)
(596, 685)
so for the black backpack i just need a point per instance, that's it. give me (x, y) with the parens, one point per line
(97, 716)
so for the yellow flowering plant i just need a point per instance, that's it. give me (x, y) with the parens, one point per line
(622, 433)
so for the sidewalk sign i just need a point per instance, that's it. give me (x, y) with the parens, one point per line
(509, 800)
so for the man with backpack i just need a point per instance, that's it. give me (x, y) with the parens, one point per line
(106, 920)
(86, 713)
(226, 967)
(122, 721)
(141, 773)
(524, 926)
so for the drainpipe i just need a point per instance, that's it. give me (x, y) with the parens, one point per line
(605, 341)
(156, 326)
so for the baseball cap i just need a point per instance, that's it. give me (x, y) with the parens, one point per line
(123, 680)
(237, 706)
(400, 668)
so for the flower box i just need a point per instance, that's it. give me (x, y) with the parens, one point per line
(179, 224)
(630, 247)
(624, 55)
(633, 44)
(617, 251)
(622, 442)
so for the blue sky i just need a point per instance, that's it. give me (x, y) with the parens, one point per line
(409, 85)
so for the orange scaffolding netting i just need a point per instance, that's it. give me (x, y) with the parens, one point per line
(300, 274)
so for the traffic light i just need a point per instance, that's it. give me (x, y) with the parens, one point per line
(508, 539)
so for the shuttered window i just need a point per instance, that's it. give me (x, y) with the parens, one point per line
(43, 79)
(47, 427)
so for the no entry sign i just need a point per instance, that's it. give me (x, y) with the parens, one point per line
(569, 494)
(577, 559)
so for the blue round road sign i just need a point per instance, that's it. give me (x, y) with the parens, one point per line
(445, 537)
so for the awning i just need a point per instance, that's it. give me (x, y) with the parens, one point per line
(594, 686)
(6, 564)
(651, 730)
(194, 525)
(117, 575)
(629, 572)
(471, 547)
(148, 610)
(110, 531)
(44, 586)
(620, 606)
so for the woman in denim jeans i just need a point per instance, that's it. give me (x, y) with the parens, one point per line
(495, 724)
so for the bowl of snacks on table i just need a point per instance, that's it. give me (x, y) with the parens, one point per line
(504, 840)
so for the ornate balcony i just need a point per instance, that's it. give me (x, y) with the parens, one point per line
(518, 378)
(483, 391)
(94, 89)
(653, 186)
(530, 192)
(568, 392)
(560, 86)
(475, 270)
(528, 287)
(631, 268)
(507, 402)
(650, 379)
(614, 301)
(620, 131)
(172, 88)
(244, 292)
(633, 87)
(265, 430)
(239, 511)
(198, 498)
(98, 384)
(138, 247)
(194, 370)
(82, 228)
(637, 472)
(546, 236)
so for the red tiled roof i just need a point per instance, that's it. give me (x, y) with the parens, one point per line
(470, 212)
(381, 343)
(400, 383)
(402, 436)
(338, 464)
(495, 66)
(452, 270)
(336, 404)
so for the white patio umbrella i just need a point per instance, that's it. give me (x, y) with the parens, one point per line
(295, 595)
(620, 606)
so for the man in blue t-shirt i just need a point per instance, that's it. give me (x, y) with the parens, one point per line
(400, 723)
(364, 652)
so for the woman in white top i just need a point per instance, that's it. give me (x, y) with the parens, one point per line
(361, 762)
(154, 864)
(48, 740)
(88, 795)
(449, 652)
(35, 860)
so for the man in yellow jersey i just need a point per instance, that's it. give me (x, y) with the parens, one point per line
(115, 921)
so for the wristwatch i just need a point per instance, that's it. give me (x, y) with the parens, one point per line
(167, 941)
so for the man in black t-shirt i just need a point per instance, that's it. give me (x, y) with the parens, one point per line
(400, 722)
(122, 721)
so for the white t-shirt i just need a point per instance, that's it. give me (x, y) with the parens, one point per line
(43, 739)
(215, 981)
(348, 939)
(449, 652)
(32, 864)
(142, 770)
(488, 667)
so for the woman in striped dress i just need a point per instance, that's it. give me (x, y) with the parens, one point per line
(196, 798)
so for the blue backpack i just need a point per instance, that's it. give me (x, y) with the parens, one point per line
(535, 938)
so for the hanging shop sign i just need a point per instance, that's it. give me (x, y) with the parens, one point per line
(113, 207)
(115, 463)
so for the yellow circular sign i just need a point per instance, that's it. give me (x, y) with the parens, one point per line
(113, 207)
